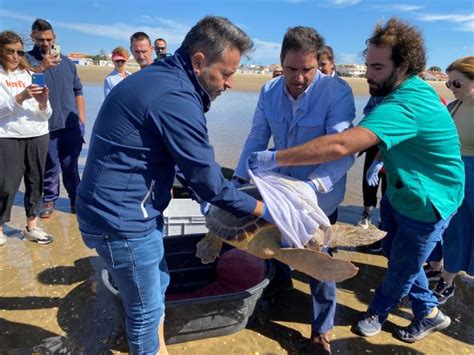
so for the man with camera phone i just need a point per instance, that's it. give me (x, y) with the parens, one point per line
(67, 122)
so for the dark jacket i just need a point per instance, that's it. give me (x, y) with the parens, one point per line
(151, 121)
(64, 85)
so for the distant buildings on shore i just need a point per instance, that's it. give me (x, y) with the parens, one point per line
(345, 70)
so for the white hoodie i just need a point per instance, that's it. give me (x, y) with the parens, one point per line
(20, 121)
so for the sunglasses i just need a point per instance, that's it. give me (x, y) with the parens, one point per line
(119, 61)
(160, 48)
(10, 51)
(456, 83)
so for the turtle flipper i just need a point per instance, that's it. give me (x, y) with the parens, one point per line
(209, 248)
(318, 265)
(349, 236)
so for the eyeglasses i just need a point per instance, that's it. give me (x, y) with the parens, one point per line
(160, 48)
(11, 51)
(456, 83)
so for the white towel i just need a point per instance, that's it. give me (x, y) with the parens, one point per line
(294, 208)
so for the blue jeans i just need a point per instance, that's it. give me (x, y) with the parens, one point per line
(408, 245)
(139, 270)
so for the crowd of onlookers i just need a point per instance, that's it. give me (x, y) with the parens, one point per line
(42, 127)
(427, 207)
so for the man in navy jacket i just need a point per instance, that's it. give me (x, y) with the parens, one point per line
(151, 122)
(67, 122)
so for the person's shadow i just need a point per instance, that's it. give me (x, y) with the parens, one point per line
(87, 314)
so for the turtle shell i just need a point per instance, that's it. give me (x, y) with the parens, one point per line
(229, 227)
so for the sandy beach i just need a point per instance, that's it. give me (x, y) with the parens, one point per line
(52, 297)
(250, 82)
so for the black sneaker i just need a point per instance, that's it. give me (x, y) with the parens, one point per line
(420, 328)
(375, 247)
(443, 291)
(432, 274)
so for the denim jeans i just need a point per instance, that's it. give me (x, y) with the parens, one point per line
(408, 245)
(139, 270)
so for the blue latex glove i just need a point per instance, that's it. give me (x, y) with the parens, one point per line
(266, 215)
(238, 182)
(372, 176)
(264, 160)
(205, 206)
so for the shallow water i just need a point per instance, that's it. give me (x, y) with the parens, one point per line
(55, 290)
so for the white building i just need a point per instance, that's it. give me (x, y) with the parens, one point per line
(351, 69)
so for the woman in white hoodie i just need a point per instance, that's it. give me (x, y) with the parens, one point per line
(24, 136)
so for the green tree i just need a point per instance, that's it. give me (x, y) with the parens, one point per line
(435, 68)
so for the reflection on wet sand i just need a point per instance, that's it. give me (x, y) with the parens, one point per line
(51, 297)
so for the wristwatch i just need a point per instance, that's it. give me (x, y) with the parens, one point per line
(240, 180)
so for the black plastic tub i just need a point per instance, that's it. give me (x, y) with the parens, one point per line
(204, 317)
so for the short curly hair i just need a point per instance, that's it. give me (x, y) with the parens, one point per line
(406, 41)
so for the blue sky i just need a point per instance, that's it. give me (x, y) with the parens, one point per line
(89, 26)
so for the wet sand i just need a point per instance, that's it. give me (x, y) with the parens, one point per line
(251, 82)
(55, 291)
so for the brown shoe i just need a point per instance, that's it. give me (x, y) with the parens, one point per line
(48, 209)
(320, 344)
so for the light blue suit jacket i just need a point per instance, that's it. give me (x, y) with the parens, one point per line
(326, 108)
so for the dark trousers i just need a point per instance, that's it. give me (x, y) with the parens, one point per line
(22, 158)
(369, 193)
(323, 295)
(63, 154)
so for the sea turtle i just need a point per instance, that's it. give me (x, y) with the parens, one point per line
(262, 239)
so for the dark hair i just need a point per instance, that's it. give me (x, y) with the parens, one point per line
(328, 52)
(212, 35)
(9, 37)
(305, 39)
(160, 39)
(464, 65)
(406, 41)
(139, 36)
(41, 25)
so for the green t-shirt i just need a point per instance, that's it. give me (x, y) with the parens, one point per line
(420, 150)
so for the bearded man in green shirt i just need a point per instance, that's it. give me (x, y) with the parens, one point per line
(421, 154)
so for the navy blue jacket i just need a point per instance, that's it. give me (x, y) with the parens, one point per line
(150, 122)
(64, 85)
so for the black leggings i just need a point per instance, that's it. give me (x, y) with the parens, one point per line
(369, 193)
(22, 158)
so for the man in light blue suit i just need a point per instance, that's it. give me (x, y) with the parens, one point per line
(294, 108)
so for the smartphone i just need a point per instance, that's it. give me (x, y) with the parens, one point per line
(38, 79)
(55, 50)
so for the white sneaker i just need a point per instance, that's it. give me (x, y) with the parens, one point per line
(364, 223)
(3, 238)
(37, 235)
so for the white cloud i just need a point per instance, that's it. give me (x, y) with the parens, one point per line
(171, 30)
(265, 52)
(348, 58)
(16, 15)
(398, 7)
(344, 2)
(465, 22)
